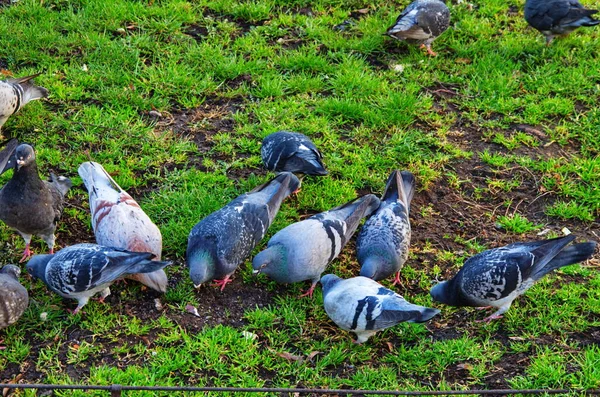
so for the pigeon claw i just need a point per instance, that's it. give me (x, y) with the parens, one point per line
(26, 254)
(397, 279)
(223, 283)
(2, 347)
(309, 293)
(489, 319)
(429, 50)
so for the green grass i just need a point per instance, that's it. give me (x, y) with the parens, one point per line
(500, 131)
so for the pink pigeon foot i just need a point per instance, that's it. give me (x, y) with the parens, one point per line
(397, 279)
(490, 318)
(26, 254)
(483, 308)
(223, 283)
(2, 347)
(309, 292)
(76, 311)
(429, 50)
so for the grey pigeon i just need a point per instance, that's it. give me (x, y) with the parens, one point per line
(302, 250)
(293, 152)
(364, 306)
(421, 22)
(558, 17)
(219, 243)
(13, 296)
(82, 270)
(383, 242)
(28, 204)
(16, 93)
(496, 277)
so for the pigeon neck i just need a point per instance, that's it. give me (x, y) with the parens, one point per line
(28, 173)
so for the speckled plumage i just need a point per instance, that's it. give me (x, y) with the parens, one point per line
(293, 152)
(383, 242)
(118, 221)
(302, 250)
(16, 93)
(558, 17)
(496, 277)
(82, 270)
(14, 298)
(219, 243)
(364, 306)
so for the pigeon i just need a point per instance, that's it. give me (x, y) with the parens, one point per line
(13, 296)
(558, 17)
(82, 270)
(302, 250)
(118, 221)
(364, 306)
(422, 22)
(28, 204)
(293, 152)
(219, 243)
(383, 242)
(496, 277)
(16, 93)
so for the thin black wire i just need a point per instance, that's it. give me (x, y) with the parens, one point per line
(297, 390)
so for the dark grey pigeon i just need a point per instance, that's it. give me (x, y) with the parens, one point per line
(219, 243)
(364, 306)
(16, 93)
(496, 277)
(82, 270)
(558, 17)
(303, 250)
(28, 204)
(421, 22)
(383, 242)
(13, 296)
(293, 152)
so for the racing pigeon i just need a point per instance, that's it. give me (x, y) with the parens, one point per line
(13, 296)
(293, 152)
(557, 17)
(219, 243)
(494, 278)
(118, 221)
(302, 250)
(82, 270)
(28, 204)
(383, 242)
(16, 93)
(364, 306)
(421, 22)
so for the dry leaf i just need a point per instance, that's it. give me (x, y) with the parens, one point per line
(290, 356)
(465, 366)
(192, 310)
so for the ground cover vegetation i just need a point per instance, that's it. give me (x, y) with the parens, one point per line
(174, 97)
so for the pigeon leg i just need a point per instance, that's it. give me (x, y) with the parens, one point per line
(397, 279)
(81, 303)
(428, 48)
(103, 295)
(2, 347)
(310, 290)
(498, 314)
(26, 254)
(223, 283)
(549, 40)
(483, 308)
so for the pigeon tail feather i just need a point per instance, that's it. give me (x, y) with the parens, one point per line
(574, 254)
(7, 159)
(400, 185)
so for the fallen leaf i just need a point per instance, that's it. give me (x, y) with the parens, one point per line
(465, 366)
(5, 72)
(312, 355)
(192, 310)
(290, 356)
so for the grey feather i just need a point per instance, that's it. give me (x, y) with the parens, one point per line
(421, 22)
(558, 17)
(14, 298)
(293, 152)
(364, 306)
(16, 93)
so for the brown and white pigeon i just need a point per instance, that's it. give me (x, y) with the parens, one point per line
(118, 221)
(28, 204)
(16, 93)
(13, 296)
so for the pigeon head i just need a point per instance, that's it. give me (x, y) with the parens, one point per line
(202, 267)
(271, 261)
(36, 267)
(328, 281)
(444, 293)
(12, 270)
(24, 155)
(373, 266)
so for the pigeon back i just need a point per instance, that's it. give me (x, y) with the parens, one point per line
(14, 298)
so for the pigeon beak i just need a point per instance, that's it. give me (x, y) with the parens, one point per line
(255, 272)
(197, 286)
(20, 163)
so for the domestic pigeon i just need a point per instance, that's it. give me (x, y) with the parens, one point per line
(421, 22)
(16, 93)
(364, 306)
(382, 243)
(28, 204)
(302, 250)
(496, 277)
(13, 296)
(558, 17)
(219, 243)
(82, 270)
(293, 152)
(118, 221)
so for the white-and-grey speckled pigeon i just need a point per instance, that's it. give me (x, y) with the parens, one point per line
(293, 152)
(364, 306)
(496, 277)
(383, 242)
(302, 250)
(82, 270)
(16, 93)
(14, 298)
(118, 221)
(28, 204)
(219, 243)
(558, 17)
(421, 22)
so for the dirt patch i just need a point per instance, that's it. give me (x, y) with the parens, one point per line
(197, 32)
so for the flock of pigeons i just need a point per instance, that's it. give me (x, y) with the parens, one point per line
(129, 244)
